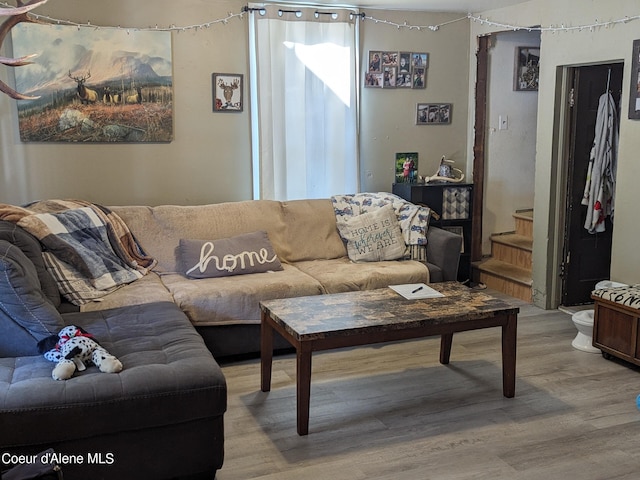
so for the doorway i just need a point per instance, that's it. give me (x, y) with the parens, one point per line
(586, 256)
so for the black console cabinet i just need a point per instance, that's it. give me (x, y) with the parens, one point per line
(453, 203)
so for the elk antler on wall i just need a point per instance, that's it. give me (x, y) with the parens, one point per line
(16, 15)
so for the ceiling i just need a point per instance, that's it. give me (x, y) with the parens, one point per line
(460, 6)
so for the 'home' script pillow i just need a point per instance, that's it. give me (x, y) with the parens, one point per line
(247, 253)
(373, 236)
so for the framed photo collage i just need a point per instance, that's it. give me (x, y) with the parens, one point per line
(396, 69)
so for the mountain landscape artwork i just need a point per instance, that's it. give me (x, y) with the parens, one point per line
(94, 84)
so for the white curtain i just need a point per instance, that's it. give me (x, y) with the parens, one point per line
(304, 102)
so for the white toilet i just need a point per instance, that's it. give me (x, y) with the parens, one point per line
(583, 321)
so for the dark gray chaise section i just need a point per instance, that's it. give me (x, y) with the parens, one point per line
(160, 418)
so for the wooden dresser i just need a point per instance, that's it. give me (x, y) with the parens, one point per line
(615, 328)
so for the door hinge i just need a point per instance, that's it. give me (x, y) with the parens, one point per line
(572, 97)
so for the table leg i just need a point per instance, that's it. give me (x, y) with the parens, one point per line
(266, 353)
(509, 338)
(445, 347)
(303, 387)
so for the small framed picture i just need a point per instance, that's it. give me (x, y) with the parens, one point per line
(433, 113)
(527, 74)
(406, 167)
(420, 60)
(373, 80)
(375, 62)
(418, 78)
(403, 75)
(227, 92)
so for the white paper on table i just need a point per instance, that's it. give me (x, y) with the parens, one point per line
(414, 291)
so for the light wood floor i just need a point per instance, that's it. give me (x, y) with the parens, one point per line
(393, 412)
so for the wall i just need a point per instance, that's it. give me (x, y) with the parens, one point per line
(510, 154)
(560, 49)
(209, 159)
(388, 117)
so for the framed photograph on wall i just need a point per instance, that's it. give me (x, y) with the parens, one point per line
(433, 113)
(388, 69)
(527, 74)
(227, 92)
(634, 97)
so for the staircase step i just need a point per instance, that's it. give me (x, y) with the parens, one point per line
(514, 240)
(524, 222)
(505, 270)
(505, 277)
(512, 248)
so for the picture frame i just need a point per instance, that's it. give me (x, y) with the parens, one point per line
(228, 91)
(634, 95)
(101, 104)
(433, 113)
(396, 69)
(527, 73)
(404, 73)
(406, 167)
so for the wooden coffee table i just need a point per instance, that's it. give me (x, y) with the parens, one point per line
(324, 322)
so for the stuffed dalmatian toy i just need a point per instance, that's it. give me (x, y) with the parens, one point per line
(71, 348)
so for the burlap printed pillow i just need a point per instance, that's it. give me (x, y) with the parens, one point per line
(373, 236)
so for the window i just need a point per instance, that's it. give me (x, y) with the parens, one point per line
(304, 103)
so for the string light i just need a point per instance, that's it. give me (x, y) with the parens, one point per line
(433, 28)
(553, 29)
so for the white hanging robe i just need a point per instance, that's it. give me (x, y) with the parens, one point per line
(599, 191)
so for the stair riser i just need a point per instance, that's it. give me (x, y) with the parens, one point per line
(509, 287)
(524, 227)
(513, 255)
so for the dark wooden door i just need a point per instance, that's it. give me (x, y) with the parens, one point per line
(587, 257)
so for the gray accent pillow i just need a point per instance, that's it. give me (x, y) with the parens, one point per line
(26, 314)
(246, 253)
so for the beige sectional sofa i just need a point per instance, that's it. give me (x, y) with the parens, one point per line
(305, 237)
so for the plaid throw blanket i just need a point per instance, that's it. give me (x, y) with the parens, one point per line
(413, 219)
(88, 249)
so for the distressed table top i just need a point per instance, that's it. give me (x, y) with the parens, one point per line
(323, 316)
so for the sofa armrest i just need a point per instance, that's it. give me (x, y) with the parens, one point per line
(443, 250)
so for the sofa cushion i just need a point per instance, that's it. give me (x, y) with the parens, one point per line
(236, 299)
(343, 275)
(32, 248)
(169, 377)
(239, 255)
(26, 314)
(373, 236)
(311, 232)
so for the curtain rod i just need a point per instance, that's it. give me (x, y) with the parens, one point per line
(317, 13)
